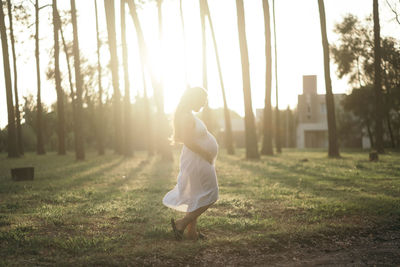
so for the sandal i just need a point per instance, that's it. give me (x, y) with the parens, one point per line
(178, 233)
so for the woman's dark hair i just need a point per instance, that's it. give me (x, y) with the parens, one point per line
(188, 97)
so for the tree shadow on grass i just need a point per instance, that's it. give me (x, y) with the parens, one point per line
(45, 192)
(53, 170)
(131, 174)
(48, 165)
(113, 188)
(117, 191)
(140, 206)
(371, 198)
(133, 187)
(153, 190)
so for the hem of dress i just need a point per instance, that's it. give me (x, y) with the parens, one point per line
(175, 207)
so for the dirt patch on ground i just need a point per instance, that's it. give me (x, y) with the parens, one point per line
(378, 247)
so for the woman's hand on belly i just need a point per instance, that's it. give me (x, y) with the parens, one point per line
(210, 158)
(200, 151)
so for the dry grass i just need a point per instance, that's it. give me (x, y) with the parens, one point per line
(107, 210)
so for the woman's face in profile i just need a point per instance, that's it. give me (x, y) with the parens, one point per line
(199, 102)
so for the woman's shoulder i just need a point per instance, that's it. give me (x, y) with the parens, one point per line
(186, 117)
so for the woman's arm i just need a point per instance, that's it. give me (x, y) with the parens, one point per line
(199, 150)
(188, 132)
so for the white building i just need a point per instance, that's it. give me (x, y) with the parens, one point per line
(312, 128)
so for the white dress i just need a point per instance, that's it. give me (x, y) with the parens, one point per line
(197, 181)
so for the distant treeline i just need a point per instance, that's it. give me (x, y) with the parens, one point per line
(86, 115)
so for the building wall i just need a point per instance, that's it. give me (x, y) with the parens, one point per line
(310, 84)
(312, 129)
(311, 108)
(304, 128)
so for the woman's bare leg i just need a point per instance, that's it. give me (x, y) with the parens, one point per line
(181, 224)
(191, 230)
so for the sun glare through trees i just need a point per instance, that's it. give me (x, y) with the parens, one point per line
(267, 131)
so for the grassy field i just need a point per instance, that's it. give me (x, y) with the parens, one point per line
(283, 209)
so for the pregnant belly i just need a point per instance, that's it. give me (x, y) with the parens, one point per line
(209, 144)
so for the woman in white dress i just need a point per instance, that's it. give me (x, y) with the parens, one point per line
(197, 187)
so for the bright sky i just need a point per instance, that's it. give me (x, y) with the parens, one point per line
(298, 37)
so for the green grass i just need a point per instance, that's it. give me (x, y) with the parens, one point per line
(107, 210)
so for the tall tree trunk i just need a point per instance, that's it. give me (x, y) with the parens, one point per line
(147, 114)
(377, 80)
(292, 131)
(112, 44)
(206, 113)
(79, 140)
(184, 43)
(39, 134)
(227, 116)
(333, 150)
(143, 60)
(387, 110)
(267, 120)
(128, 149)
(99, 131)
(162, 135)
(389, 125)
(17, 113)
(71, 86)
(370, 135)
(250, 129)
(12, 137)
(277, 113)
(60, 92)
(159, 93)
(287, 111)
(204, 43)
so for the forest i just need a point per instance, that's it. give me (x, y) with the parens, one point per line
(94, 107)
(96, 122)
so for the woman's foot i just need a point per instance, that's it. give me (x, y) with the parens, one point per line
(180, 225)
(193, 236)
(178, 233)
